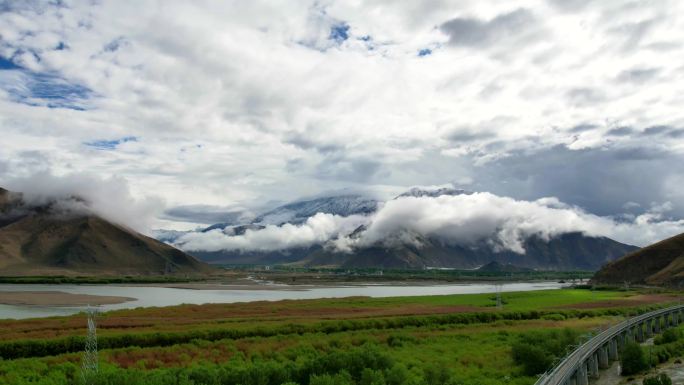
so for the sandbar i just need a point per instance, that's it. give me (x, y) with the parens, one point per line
(57, 298)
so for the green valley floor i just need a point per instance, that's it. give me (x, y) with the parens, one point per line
(453, 339)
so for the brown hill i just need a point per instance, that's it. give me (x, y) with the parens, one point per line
(38, 241)
(661, 263)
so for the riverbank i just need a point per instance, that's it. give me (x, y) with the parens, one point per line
(155, 295)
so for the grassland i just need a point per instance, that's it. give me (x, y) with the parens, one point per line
(454, 339)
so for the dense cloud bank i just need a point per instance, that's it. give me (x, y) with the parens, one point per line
(318, 229)
(82, 194)
(481, 218)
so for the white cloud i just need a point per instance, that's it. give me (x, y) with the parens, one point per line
(502, 222)
(218, 93)
(470, 220)
(318, 229)
(88, 193)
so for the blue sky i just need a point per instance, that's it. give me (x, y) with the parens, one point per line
(45, 88)
(233, 105)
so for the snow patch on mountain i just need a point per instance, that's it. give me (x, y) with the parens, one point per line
(433, 191)
(299, 212)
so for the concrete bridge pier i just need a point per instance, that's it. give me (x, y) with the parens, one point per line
(675, 318)
(603, 359)
(649, 328)
(613, 349)
(640, 332)
(594, 366)
(582, 375)
(656, 325)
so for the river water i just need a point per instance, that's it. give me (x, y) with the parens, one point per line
(164, 296)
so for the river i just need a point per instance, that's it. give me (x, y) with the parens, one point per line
(165, 296)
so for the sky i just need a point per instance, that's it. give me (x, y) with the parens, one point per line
(191, 111)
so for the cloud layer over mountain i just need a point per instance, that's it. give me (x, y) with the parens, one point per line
(318, 229)
(88, 194)
(471, 220)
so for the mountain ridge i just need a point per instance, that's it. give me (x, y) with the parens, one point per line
(661, 263)
(34, 240)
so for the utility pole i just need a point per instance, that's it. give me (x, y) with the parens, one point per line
(89, 365)
(499, 303)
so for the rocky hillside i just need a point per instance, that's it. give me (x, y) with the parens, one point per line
(661, 263)
(44, 240)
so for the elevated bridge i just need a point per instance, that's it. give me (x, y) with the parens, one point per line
(597, 353)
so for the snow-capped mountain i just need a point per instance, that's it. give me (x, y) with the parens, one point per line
(321, 242)
(298, 212)
(435, 192)
(294, 213)
(167, 236)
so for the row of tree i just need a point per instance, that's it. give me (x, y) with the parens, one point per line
(48, 347)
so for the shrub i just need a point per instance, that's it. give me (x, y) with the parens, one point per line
(533, 358)
(554, 317)
(660, 379)
(668, 336)
(341, 378)
(536, 350)
(436, 375)
(398, 375)
(632, 359)
(372, 377)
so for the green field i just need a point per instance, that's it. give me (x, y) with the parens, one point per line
(454, 339)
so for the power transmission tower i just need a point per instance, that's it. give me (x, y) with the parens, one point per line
(499, 303)
(89, 365)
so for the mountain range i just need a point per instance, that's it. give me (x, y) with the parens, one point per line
(569, 251)
(61, 237)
